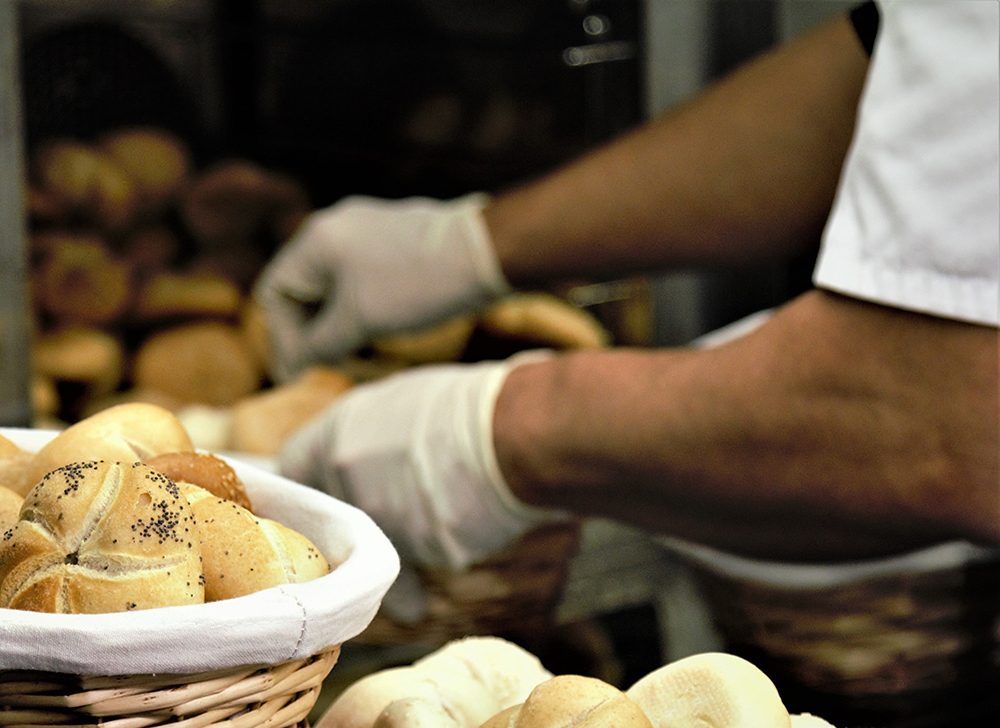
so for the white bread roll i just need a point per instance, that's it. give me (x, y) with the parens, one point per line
(470, 680)
(10, 507)
(711, 690)
(99, 536)
(575, 701)
(457, 693)
(508, 671)
(416, 713)
(126, 433)
(242, 553)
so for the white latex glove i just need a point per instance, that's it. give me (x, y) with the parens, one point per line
(415, 452)
(367, 267)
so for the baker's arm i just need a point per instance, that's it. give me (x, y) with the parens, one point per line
(747, 169)
(839, 429)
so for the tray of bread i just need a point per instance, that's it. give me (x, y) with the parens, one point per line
(140, 576)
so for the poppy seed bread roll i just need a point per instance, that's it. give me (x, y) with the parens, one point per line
(99, 536)
(242, 553)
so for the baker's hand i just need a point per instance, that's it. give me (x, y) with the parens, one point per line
(415, 452)
(367, 267)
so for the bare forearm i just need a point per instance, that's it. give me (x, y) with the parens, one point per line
(747, 169)
(813, 444)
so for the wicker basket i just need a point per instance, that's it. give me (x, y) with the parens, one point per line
(264, 656)
(875, 634)
(514, 594)
(245, 697)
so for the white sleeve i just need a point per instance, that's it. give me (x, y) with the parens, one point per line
(916, 221)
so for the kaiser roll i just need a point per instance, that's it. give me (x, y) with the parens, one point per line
(101, 536)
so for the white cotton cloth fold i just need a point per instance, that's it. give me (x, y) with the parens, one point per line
(269, 627)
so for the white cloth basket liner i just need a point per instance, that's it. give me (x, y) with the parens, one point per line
(269, 627)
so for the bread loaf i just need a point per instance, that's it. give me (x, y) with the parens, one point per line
(157, 162)
(175, 295)
(242, 553)
(204, 470)
(207, 362)
(79, 281)
(127, 433)
(711, 690)
(14, 464)
(101, 536)
(10, 507)
(84, 355)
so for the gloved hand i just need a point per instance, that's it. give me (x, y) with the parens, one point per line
(415, 452)
(367, 267)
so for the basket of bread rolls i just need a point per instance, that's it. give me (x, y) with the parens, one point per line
(145, 581)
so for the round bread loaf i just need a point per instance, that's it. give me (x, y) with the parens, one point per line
(126, 433)
(10, 507)
(14, 464)
(243, 553)
(157, 161)
(567, 701)
(712, 690)
(208, 362)
(100, 536)
(84, 355)
(204, 470)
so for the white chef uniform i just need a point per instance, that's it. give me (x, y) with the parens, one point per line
(916, 220)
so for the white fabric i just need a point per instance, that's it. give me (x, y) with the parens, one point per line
(374, 267)
(916, 223)
(415, 452)
(270, 627)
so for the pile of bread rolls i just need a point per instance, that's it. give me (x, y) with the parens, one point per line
(119, 512)
(141, 265)
(487, 682)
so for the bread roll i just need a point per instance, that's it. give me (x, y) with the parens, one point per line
(574, 700)
(205, 363)
(14, 463)
(80, 281)
(545, 320)
(470, 680)
(157, 161)
(242, 553)
(10, 506)
(126, 433)
(101, 536)
(87, 181)
(204, 470)
(84, 355)
(442, 343)
(712, 690)
(416, 713)
(263, 422)
(171, 295)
